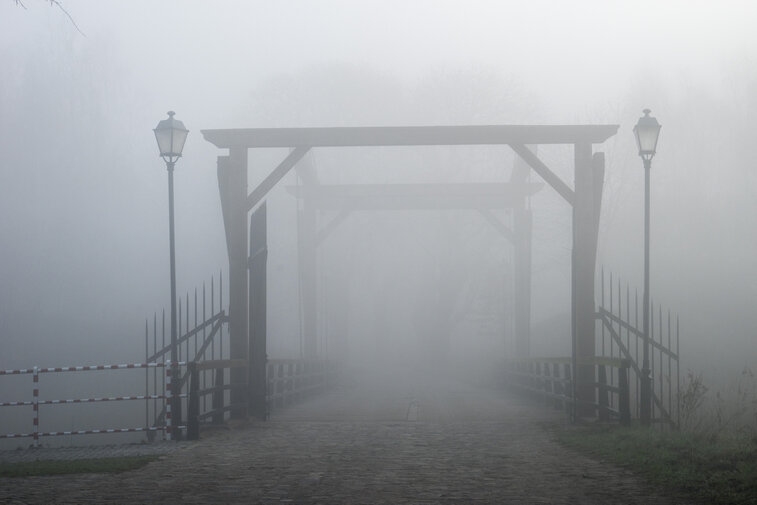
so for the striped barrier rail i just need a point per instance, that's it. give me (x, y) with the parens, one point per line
(89, 368)
(36, 402)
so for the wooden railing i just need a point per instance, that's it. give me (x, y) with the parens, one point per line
(218, 407)
(552, 379)
(291, 380)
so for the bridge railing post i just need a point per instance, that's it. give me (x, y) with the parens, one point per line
(570, 404)
(193, 407)
(624, 396)
(218, 394)
(548, 384)
(558, 388)
(604, 413)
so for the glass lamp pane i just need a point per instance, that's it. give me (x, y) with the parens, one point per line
(179, 137)
(171, 135)
(646, 132)
(646, 137)
(163, 136)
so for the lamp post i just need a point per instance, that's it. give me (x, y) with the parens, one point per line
(171, 135)
(647, 131)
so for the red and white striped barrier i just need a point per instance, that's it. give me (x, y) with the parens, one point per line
(88, 368)
(36, 402)
(35, 406)
(85, 432)
(169, 394)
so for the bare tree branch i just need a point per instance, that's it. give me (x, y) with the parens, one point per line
(60, 6)
(56, 3)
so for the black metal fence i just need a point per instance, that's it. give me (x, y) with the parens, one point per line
(619, 336)
(202, 336)
(617, 367)
(203, 349)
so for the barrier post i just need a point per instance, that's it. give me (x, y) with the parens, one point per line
(35, 406)
(169, 401)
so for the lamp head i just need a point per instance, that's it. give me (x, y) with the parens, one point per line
(171, 135)
(647, 131)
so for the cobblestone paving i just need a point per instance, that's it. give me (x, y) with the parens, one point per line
(89, 452)
(421, 445)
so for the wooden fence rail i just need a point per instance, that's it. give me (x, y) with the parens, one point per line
(552, 379)
(289, 381)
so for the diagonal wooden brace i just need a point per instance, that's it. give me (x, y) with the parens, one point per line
(544, 172)
(278, 173)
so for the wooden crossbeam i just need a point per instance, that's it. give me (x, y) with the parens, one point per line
(415, 196)
(409, 135)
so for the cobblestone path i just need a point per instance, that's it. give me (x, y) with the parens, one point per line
(425, 444)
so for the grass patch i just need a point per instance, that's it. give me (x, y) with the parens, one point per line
(59, 467)
(717, 470)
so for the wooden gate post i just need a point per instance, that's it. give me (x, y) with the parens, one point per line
(521, 238)
(257, 383)
(589, 176)
(232, 185)
(522, 224)
(308, 262)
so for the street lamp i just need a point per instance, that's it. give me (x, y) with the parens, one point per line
(647, 131)
(171, 135)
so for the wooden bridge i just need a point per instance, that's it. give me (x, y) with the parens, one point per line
(381, 437)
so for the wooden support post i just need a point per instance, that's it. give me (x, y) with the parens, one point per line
(232, 184)
(624, 397)
(589, 173)
(558, 388)
(604, 414)
(569, 406)
(308, 263)
(522, 264)
(218, 396)
(257, 387)
(521, 236)
(193, 407)
(548, 384)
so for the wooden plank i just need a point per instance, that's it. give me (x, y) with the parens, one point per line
(409, 135)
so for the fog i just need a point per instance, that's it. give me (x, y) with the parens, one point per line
(84, 251)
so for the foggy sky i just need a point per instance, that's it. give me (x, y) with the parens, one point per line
(82, 190)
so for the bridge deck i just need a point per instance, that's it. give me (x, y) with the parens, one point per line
(432, 442)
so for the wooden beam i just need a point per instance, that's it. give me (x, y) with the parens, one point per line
(410, 135)
(544, 172)
(278, 173)
(415, 196)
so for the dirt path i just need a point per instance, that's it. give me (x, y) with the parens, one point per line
(427, 444)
